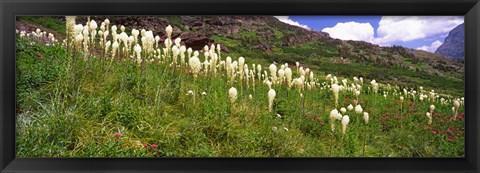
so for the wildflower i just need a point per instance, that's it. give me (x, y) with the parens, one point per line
(169, 30)
(273, 72)
(279, 116)
(343, 110)
(145, 145)
(401, 99)
(365, 117)
(350, 107)
(250, 96)
(281, 74)
(118, 135)
(70, 24)
(345, 121)
(153, 145)
(358, 109)
(286, 129)
(335, 90)
(204, 93)
(429, 116)
(195, 65)
(93, 25)
(432, 108)
(232, 92)
(190, 92)
(138, 50)
(271, 97)
(334, 115)
(456, 105)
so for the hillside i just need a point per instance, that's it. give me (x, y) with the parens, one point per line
(127, 94)
(267, 39)
(454, 44)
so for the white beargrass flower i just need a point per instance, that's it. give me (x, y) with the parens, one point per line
(78, 29)
(250, 96)
(358, 109)
(189, 51)
(334, 115)
(429, 116)
(138, 50)
(232, 92)
(274, 128)
(114, 48)
(345, 121)
(107, 22)
(273, 72)
(79, 39)
(93, 25)
(288, 75)
(177, 41)
(335, 90)
(169, 30)
(259, 71)
(195, 65)
(432, 108)
(365, 117)
(350, 107)
(70, 25)
(343, 110)
(107, 46)
(204, 93)
(190, 92)
(281, 74)
(456, 105)
(271, 97)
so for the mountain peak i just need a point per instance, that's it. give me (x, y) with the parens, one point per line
(454, 43)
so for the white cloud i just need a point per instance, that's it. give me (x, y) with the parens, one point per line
(432, 48)
(352, 31)
(408, 28)
(287, 20)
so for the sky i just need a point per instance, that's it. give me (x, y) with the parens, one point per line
(416, 32)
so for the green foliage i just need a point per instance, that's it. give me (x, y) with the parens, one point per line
(47, 22)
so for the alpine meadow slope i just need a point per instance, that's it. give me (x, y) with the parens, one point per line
(227, 86)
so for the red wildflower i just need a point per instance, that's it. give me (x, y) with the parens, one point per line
(322, 123)
(145, 145)
(153, 145)
(118, 135)
(434, 132)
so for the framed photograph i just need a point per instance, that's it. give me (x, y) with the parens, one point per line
(239, 86)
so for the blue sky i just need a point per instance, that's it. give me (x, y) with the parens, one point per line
(416, 32)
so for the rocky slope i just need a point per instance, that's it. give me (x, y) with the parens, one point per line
(454, 45)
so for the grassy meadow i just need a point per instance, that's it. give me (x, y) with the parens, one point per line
(85, 98)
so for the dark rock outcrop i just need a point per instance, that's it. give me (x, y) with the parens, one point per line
(454, 45)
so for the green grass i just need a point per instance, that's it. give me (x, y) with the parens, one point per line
(68, 107)
(47, 22)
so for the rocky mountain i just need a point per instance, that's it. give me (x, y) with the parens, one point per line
(454, 45)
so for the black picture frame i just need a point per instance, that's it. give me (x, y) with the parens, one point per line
(9, 9)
